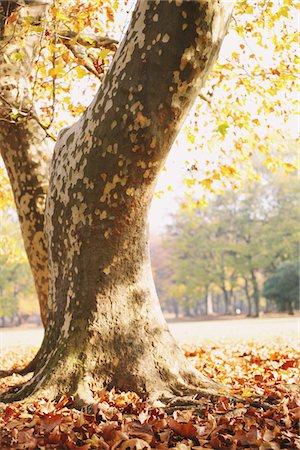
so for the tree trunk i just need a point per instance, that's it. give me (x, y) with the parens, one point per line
(208, 302)
(23, 144)
(248, 297)
(25, 154)
(175, 307)
(256, 294)
(186, 307)
(226, 301)
(290, 308)
(105, 324)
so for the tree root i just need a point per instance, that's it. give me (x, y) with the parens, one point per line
(200, 400)
(20, 371)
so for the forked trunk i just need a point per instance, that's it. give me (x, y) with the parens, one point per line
(105, 324)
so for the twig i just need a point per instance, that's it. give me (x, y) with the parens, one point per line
(87, 40)
(80, 53)
(79, 44)
(44, 127)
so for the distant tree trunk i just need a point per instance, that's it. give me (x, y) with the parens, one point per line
(219, 305)
(105, 324)
(23, 144)
(248, 297)
(256, 294)
(290, 307)
(175, 307)
(226, 301)
(209, 305)
(187, 308)
(205, 304)
(269, 305)
(196, 309)
(208, 302)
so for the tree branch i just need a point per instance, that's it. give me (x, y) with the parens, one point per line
(80, 43)
(87, 40)
(81, 54)
(44, 127)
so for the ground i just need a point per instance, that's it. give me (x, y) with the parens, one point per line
(193, 331)
(262, 361)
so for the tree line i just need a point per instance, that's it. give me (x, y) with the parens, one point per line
(18, 299)
(238, 255)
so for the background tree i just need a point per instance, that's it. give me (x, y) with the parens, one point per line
(163, 274)
(17, 296)
(282, 287)
(193, 269)
(236, 241)
(16, 292)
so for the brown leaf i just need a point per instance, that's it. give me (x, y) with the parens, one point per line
(134, 444)
(269, 435)
(50, 421)
(287, 364)
(252, 437)
(9, 412)
(183, 429)
(269, 446)
(26, 440)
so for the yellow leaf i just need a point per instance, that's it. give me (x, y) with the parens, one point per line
(247, 393)
(207, 183)
(81, 72)
(288, 167)
(56, 71)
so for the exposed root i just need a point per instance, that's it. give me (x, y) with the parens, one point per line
(17, 371)
(84, 399)
(199, 399)
(9, 373)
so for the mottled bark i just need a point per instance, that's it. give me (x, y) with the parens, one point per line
(23, 144)
(105, 324)
(25, 153)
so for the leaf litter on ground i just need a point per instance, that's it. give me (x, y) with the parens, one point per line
(123, 421)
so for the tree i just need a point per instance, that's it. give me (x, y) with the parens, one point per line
(17, 293)
(236, 241)
(15, 285)
(162, 274)
(282, 287)
(23, 143)
(190, 244)
(28, 29)
(104, 324)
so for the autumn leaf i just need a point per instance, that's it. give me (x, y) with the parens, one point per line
(183, 429)
(50, 421)
(124, 420)
(222, 129)
(81, 72)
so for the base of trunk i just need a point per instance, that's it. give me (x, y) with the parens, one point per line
(84, 369)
